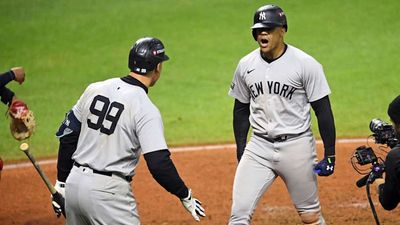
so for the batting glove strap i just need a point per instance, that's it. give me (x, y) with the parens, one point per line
(193, 206)
(60, 187)
(325, 167)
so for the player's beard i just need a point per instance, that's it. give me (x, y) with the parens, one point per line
(271, 44)
(271, 48)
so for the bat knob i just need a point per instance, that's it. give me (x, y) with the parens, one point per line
(24, 147)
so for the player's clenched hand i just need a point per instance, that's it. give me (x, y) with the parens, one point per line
(19, 74)
(325, 167)
(193, 206)
(57, 201)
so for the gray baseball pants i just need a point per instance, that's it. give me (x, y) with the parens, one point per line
(262, 162)
(96, 199)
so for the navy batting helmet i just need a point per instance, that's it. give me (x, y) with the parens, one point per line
(269, 16)
(145, 54)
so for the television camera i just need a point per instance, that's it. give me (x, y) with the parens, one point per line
(383, 134)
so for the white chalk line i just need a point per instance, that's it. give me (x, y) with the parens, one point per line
(173, 149)
(285, 209)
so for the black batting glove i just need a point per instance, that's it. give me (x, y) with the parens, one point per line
(58, 203)
(58, 200)
(325, 167)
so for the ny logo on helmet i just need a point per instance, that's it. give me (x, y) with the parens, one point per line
(262, 16)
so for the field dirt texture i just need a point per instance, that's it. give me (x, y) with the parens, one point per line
(24, 198)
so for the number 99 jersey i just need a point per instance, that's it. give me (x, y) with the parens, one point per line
(118, 123)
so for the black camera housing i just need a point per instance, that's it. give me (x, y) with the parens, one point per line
(383, 133)
(365, 155)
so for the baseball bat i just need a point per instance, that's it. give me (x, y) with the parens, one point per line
(57, 197)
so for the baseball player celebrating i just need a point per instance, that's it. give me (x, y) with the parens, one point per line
(102, 138)
(273, 87)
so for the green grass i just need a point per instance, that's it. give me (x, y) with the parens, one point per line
(65, 45)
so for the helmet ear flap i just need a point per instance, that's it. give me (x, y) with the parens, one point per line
(254, 33)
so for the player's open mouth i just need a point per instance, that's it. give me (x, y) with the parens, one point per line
(263, 42)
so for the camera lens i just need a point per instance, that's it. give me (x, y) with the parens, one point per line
(376, 125)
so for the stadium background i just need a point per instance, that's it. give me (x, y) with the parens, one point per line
(65, 45)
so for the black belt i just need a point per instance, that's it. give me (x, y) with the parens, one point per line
(279, 138)
(127, 178)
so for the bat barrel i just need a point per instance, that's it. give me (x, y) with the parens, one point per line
(25, 148)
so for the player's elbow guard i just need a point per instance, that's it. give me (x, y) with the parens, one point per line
(70, 125)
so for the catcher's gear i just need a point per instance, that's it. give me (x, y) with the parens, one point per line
(145, 54)
(22, 123)
(193, 206)
(58, 200)
(325, 167)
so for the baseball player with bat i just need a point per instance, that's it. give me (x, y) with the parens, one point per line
(274, 87)
(102, 138)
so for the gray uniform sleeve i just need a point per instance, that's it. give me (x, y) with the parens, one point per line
(238, 88)
(315, 83)
(150, 132)
(78, 108)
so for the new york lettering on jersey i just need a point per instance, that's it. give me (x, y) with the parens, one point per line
(273, 87)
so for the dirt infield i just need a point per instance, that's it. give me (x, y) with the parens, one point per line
(24, 198)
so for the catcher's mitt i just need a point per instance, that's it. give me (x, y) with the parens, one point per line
(22, 120)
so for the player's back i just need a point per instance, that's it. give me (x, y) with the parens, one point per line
(109, 112)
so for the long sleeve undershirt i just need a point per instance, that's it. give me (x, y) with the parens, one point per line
(241, 126)
(326, 124)
(6, 94)
(323, 112)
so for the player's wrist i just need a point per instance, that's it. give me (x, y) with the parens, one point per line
(60, 187)
(330, 158)
(187, 196)
(11, 74)
(60, 184)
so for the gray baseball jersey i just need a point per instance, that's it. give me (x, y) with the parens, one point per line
(280, 91)
(279, 94)
(119, 122)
